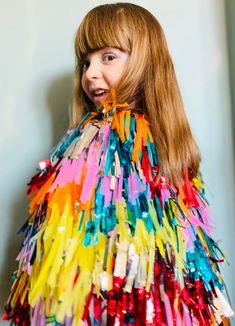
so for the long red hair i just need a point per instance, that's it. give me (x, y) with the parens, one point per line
(149, 80)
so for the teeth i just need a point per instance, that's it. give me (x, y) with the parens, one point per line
(99, 92)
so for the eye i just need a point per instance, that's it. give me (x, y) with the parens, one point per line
(84, 64)
(109, 57)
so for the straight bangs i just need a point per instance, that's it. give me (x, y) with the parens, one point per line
(102, 27)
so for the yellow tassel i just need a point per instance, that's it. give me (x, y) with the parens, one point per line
(151, 260)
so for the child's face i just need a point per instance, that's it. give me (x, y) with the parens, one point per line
(101, 70)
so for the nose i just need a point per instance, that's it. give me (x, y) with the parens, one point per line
(93, 71)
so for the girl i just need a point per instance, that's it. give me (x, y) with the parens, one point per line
(119, 231)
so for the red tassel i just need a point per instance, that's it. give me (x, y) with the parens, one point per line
(97, 309)
(86, 308)
(188, 190)
(5, 317)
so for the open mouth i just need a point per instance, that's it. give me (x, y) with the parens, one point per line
(100, 95)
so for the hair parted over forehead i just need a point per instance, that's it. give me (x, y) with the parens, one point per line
(148, 82)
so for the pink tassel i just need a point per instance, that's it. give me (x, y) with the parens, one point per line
(168, 310)
(72, 172)
(80, 167)
(187, 319)
(178, 320)
(105, 190)
(90, 178)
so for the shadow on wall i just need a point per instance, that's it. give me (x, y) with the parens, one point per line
(58, 99)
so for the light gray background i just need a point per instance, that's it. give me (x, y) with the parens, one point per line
(36, 67)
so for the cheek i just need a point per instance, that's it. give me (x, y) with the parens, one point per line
(115, 75)
(84, 85)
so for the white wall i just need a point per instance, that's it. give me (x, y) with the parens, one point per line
(230, 22)
(36, 68)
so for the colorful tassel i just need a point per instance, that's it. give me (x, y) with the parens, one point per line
(106, 244)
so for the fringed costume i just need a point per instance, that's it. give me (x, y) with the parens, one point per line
(109, 242)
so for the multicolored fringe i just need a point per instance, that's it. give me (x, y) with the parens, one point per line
(108, 242)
